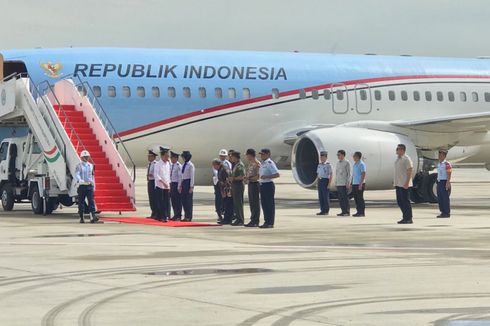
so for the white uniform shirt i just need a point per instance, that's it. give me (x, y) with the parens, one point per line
(162, 174)
(176, 172)
(151, 170)
(267, 168)
(84, 173)
(188, 172)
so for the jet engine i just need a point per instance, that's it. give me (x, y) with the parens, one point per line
(377, 147)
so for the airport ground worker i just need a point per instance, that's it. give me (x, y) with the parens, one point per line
(444, 172)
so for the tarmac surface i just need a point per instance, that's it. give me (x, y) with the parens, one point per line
(308, 270)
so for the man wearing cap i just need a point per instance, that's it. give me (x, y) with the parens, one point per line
(324, 175)
(267, 173)
(223, 156)
(187, 185)
(175, 184)
(84, 176)
(150, 177)
(162, 185)
(342, 182)
(236, 178)
(444, 171)
(252, 177)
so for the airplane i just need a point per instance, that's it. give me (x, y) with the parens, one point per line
(296, 104)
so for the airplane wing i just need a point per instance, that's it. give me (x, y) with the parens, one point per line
(473, 122)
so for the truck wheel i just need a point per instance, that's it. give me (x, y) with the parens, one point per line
(66, 200)
(432, 188)
(53, 204)
(37, 203)
(7, 197)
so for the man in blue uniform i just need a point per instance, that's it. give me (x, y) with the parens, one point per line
(359, 184)
(324, 175)
(267, 173)
(84, 176)
(150, 177)
(175, 183)
(444, 171)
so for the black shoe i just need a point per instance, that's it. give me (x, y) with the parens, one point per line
(343, 214)
(186, 220)
(82, 220)
(266, 226)
(237, 223)
(224, 222)
(321, 213)
(358, 215)
(175, 218)
(405, 222)
(251, 225)
(444, 216)
(164, 220)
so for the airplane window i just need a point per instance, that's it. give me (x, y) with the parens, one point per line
(416, 96)
(171, 92)
(327, 94)
(111, 91)
(363, 94)
(391, 95)
(314, 94)
(218, 92)
(155, 91)
(474, 96)
(487, 97)
(97, 91)
(246, 93)
(428, 96)
(82, 90)
(302, 94)
(404, 95)
(202, 92)
(126, 91)
(275, 93)
(340, 95)
(440, 97)
(231, 92)
(377, 95)
(186, 92)
(450, 96)
(141, 91)
(462, 96)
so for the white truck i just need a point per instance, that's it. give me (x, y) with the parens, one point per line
(62, 120)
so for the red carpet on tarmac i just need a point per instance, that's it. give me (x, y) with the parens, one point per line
(149, 221)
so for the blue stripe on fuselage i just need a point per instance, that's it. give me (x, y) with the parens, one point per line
(300, 71)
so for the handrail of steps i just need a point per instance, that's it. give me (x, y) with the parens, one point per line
(104, 118)
(67, 121)
(37, 94)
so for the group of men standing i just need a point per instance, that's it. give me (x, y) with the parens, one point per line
(355, 180)
(170, 185)
(229, 178)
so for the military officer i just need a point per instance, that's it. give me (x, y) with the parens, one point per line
(252, 178)
(162, 185)
(267, 173)
(444, 172)
(84, 175)
(187, 185)
(238, 188)
(150, 177)
(175, 184)
(324, 175)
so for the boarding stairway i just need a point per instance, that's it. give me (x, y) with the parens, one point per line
(67, 118)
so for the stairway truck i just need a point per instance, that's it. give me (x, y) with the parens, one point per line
(25, 176)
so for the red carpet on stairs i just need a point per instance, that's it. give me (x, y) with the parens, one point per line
(109, 192)
(149, 221)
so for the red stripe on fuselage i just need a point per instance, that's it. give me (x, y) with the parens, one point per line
(289, 93)
(51, 151)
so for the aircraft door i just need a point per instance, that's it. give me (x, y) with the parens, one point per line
(1, 66)
(340, 98)
(363, 99)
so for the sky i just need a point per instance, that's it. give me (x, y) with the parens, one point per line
(450, 28)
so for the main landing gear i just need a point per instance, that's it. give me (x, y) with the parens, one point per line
(424, 188)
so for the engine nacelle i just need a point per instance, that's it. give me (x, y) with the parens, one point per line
(377, 147)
